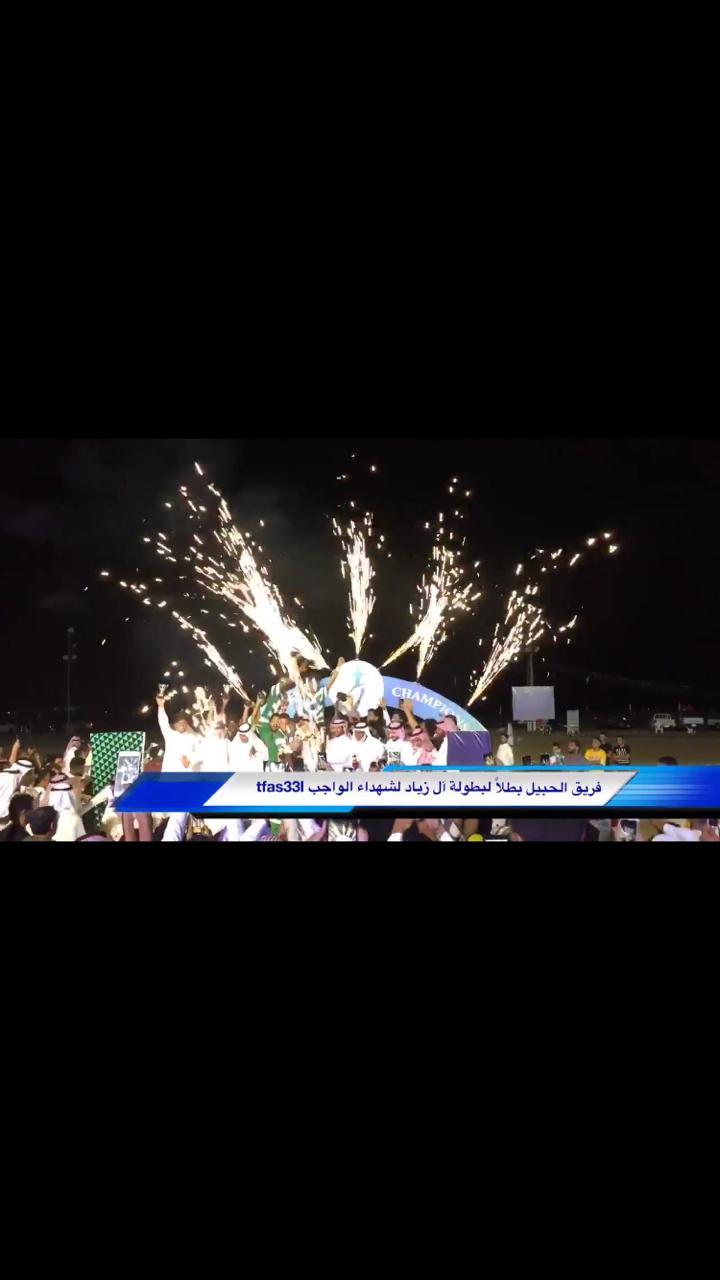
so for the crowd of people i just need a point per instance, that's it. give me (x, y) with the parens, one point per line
(296, 726)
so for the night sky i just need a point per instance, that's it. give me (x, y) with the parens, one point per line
(73, 508)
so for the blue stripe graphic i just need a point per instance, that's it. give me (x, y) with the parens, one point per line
(654, 787)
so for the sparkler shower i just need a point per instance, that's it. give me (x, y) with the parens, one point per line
(358, 572)
(224, 568)
(442, 595)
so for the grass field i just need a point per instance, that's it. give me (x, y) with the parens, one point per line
(644, 747)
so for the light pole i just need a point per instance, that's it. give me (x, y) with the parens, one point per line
(70, 657)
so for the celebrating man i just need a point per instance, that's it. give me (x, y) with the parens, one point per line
(247, 752)
(366, 749)
(339, 747)
(446, 726)
(181, 742)
(399, 750)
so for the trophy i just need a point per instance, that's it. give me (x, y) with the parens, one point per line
(161, 690)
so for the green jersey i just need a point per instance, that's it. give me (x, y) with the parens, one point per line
(266, 735)
(275, 740)
(270, 705)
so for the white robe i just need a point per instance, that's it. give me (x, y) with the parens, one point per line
(214, 755)
(247, 757)
(403, 748)
(10, 780)
(368, 751)
(70, 827)
(70, 824)
(339, 752)
(178, 745)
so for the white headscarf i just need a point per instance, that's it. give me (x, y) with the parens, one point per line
(62, 795)
(242, 753)
(62, 799)
(10, 780)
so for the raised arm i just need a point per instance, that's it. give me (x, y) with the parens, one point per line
(163, 717)
(408, 708)
(336, 673)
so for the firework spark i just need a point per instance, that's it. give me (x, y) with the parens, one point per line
(214, 655)
(244, 583)
(248, 587)
(357, 570)
(442, 594)
(526, 623)
(225, 564)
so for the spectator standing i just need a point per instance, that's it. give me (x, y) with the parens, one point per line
(504, 754)
(69, 824)
(43, 824)
(20, 808)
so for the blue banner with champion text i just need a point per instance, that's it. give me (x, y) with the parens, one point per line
(583, 788)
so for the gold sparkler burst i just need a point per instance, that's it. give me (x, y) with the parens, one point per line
(357, 570)
(358, 538)
(205, 716)
(441, 591)
(213, 654)
(526, 625)
(527, 622)
(236, 574)
(442, 595)
(246, 584)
